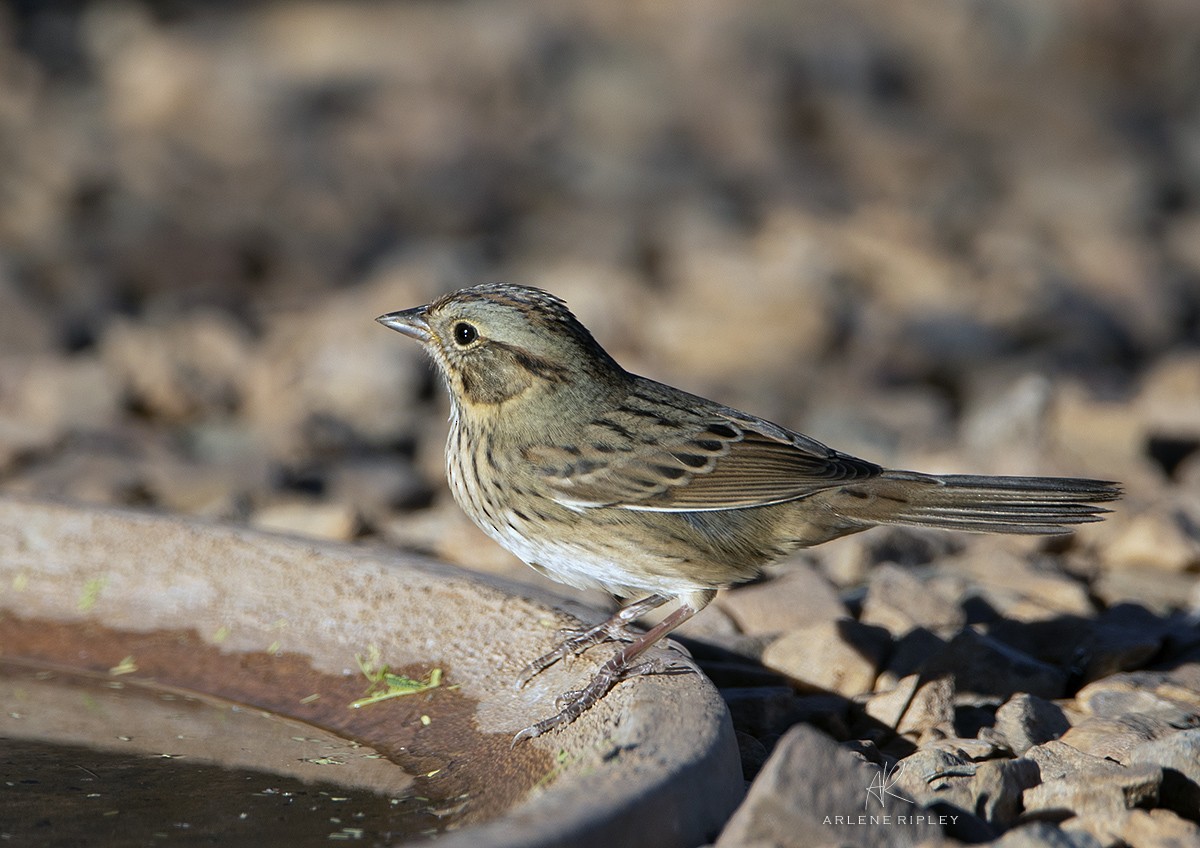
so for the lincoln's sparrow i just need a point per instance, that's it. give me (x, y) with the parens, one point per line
(599, 478)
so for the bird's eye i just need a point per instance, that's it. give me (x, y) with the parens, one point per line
(464, 333)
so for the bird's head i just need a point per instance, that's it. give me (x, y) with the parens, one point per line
(496, 342)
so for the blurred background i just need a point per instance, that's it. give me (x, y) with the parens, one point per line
(945, 235)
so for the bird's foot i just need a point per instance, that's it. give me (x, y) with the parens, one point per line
(614, 629)
(652, 666)
(571, 705)
(625, 663)
(573, 646)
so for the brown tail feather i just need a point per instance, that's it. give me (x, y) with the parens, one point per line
(1029, 505)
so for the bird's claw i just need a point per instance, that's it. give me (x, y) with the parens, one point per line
(571, 705)
(573, 646)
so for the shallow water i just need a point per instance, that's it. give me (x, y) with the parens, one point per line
(87, 759)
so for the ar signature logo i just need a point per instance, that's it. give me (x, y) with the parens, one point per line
(881, 787)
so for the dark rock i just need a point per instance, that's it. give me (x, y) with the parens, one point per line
(811, 792)
(986, 666)
(1179, 756)
(767, 712)
(998, 787)
(1027, 720)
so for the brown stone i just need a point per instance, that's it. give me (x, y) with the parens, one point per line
(798, 597)
(840, 656)
(807, 791)
(1026, 720)
(899, 601)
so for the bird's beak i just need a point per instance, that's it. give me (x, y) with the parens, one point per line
(411, 322)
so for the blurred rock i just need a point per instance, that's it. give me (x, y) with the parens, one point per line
(799, 596)
(1045, 835)
(1026, 720)
(1098, 793)
(304, 518)
(1114, 738)
(1123, 637)
(840, 656)
(330, 366)
(931, 711)
(1179, 755)
(1151, 695)
(1152, 828)
(899, 601)
(1019, 587)
(986, 666)
(24, 329)
(937, 776)
(181, 368)
(211, 491)
(1162, 538)
(42, 400)
(1005, 429)
(1160, 591)
(999, 785)
(889, 705)
(1169, 400)
(113, 475)
(1081, 784)
(216, 469)
(1099, 438)
(785, 271)
(376, 487)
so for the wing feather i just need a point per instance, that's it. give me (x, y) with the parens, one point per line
(658, 454)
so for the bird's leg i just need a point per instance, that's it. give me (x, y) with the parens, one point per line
(620, 667)
(613, 629)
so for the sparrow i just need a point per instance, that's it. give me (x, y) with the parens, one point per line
(599, 478)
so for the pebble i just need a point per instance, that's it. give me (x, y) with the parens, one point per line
(841, 656)
(1102, 793)
(930, 712)
(1114, 738)
(999, 786)
(1162, 592)
(1026, 720)
(986, 666)
(1148, 694)
(887, 706)
(1153, 828)
(1045, 835)
(800, 595)
(899, 601)
(180, 368)
(1156, 540)
(812, 792)
(1019, 586)
(1179, 756)
(334, 521)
